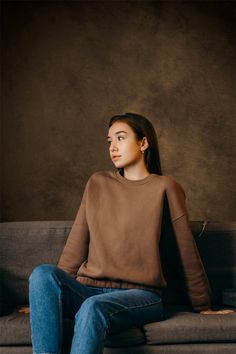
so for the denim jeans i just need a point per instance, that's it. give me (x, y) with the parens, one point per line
(97, 311)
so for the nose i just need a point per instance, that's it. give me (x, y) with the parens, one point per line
(113, 147)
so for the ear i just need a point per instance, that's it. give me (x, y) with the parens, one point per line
(144, 143)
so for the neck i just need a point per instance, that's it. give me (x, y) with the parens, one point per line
(135, 173)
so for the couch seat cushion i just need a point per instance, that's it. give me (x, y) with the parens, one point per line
(183, 326)
(15, 330)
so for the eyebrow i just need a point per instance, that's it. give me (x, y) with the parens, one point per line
(120, 131)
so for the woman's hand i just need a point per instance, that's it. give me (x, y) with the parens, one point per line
(216, 312)
(24, 310)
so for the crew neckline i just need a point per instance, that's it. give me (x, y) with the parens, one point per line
(127, 181)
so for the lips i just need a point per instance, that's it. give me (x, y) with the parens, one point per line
(115, 157)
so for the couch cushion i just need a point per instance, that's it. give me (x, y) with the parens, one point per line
(15, 330)
(178, 327)
(183, 326)
(211, 348)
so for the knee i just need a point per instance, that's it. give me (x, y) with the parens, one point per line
(92, 307)
(42, 272)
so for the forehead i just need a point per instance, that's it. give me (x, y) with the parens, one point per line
(119, 126)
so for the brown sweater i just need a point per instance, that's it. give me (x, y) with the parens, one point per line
(114, 241)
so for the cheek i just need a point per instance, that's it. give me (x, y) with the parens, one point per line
(133, 151)
(135, 148)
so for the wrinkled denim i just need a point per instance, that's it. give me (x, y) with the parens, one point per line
(97, 311)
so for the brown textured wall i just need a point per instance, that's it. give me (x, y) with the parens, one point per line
(68, 66)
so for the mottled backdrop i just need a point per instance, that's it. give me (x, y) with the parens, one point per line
(68, 66)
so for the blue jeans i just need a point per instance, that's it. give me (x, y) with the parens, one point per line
(97, 312)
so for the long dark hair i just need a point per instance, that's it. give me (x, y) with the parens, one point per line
(142, 127)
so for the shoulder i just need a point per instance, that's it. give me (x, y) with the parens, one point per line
(176, 198)
(100, 174)
(171, 185)
(99, 177)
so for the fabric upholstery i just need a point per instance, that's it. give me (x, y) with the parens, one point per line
(182, 326)
(27, 244)
(15, 330)
(3, 299)
(212, 348)
(178, 327)
(217, 247)
(24, 245)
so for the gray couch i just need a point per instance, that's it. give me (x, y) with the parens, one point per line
(24, 245)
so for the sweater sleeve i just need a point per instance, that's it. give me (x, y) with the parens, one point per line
(195, 276)
(76, 247)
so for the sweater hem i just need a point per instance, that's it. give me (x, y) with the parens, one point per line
(107, 283)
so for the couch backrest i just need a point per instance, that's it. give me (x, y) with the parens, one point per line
(24, 245)
(216, 243)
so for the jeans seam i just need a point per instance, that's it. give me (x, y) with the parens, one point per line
(68, 286)
(134, 307)
(61, 314)
(61, 320)
(110, 315)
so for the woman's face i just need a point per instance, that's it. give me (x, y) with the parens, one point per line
(124, 149)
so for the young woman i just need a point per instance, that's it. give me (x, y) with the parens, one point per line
(109, 276)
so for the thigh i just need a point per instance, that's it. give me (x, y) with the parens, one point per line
(130, 307)
(73, 293)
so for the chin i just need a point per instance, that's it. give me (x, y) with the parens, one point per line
(118, 165)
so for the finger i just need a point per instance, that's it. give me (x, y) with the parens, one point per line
(228, 311)
(24, 310)
(218, 312)
(225, 311)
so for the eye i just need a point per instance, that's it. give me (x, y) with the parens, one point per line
(108, 142)
(120, 137)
